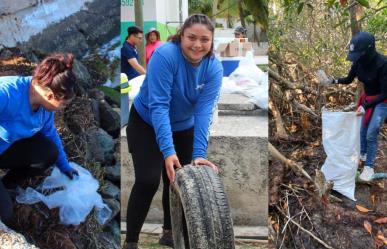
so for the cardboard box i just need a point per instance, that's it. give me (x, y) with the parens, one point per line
(248, 46)
(228, 49)
(222, 49)
(241, 40)
(234, 48)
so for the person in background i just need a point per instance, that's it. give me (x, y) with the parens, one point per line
(240, 32)
(130, 66)
(152, 42)
(170, 119)
(29, 141)
(369, 67)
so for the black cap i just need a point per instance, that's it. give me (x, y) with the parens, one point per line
(361, 43)
(240, 29)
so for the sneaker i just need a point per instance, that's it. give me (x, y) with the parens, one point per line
(367, 174)
(363, 157)
(166, 239)
(130, 245)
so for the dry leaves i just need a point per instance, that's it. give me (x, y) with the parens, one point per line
(380, 240)
(381, 237)
(373, 200)
(381, 220)
(362, 209)
(276, 227)
(368, 226)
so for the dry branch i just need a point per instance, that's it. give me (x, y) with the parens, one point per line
(305, 230)
(290, 85)
(298, 168)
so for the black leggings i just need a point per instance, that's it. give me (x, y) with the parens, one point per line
(148, 166)
(25, 158)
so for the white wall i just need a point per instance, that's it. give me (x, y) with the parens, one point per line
(162, 11)
(149, 11)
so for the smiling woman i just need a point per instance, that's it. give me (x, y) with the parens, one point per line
(170, 118)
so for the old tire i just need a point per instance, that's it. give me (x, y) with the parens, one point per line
(199, 191)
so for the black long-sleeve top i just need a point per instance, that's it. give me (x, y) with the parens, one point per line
(373, 74)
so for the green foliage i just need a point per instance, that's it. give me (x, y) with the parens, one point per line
(200, 6)
(364, 3)
(111, 93)
(259, 11)
(317, 36)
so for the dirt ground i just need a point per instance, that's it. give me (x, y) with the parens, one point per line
(151, 241)
(337, 224)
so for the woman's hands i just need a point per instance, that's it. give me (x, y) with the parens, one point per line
(203, 161)
(360, 111)
(170, 162)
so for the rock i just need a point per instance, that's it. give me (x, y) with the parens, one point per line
(95, 110)
(109, 119)
(113, 227)
(114, 205)
(5, 54)
(109, 190)
(82, 74)
(95, 24)
(100, 146)
(10, 6)
(109, 241)
(11, 239)
(113, 173)
(97, 94)
(117, 150)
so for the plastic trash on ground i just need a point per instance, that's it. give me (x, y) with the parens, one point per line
(248, 80)
(341, 141)
(322, 77)
(75, 198)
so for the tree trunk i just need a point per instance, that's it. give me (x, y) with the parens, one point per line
(356, 11)
(255, 33)
(140, 23)
(279, 124)
(214, 10)
(241, 13)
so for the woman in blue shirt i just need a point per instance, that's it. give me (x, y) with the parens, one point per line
(170, 118)
(29, 141)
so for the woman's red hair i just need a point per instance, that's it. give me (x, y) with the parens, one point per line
(55, 72)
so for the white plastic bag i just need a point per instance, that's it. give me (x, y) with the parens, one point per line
(250, 81)
(322, 77)
(75, 199)
(341, 141)
(136, 84)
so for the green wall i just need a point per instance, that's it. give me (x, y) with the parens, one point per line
(162, 28)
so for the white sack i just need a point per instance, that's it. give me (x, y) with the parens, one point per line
(341, 141)
(250, 81)
(136, 84)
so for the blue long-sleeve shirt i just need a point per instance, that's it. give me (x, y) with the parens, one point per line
(18, 120)
(177, 96)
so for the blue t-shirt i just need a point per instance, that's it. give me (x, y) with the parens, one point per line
(177, 96)
(18, 120)
(128, 51)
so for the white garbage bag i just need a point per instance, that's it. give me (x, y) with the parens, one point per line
(341, 141)
(135, 84)
(250, 81)
(75, 198)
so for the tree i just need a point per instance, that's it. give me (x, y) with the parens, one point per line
(258, 9)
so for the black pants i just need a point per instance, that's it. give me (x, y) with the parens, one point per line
(25, 158)
(148, 167)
